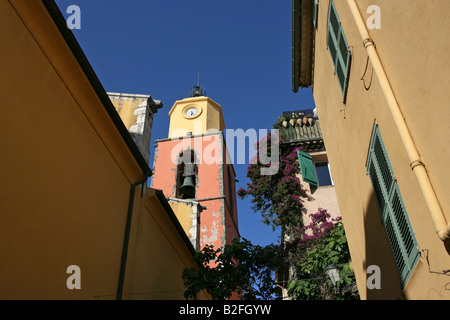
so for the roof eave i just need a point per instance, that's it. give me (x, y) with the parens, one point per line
(302, 44)
(79, 55)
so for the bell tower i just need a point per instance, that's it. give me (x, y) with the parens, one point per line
(190, 168)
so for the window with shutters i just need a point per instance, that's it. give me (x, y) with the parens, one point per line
(339, 50)
(315, 170)
(394, 215)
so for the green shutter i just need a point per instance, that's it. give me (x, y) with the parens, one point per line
(379, 150)
(333, 33)
(379, 166)
(339, 49)
(333, 21)
(394, 215)
(331, 46)
(407, 241)
(315, 7)
(380, 196)
(307, 167)
(343, 62)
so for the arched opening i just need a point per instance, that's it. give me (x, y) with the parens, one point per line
(186, 175)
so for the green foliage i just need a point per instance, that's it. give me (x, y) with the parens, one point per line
(317, 252)
(241, 267)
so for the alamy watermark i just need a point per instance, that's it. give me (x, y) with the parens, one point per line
(74, 20)
(74, 280)
(373, 277)
(374, 21)
(238, 143)
(374, 280)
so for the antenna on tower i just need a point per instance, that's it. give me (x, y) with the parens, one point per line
(198, 90)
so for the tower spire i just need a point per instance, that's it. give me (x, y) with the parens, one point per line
(198, 90)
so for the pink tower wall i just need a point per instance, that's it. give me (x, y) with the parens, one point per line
(218, 225)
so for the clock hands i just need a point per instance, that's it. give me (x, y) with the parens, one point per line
(191, 112)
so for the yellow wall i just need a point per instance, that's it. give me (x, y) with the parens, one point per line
(126, 110)
(414, 56)
(183, 213)
(209, 118)
(66, 174)
(188, 214)
(158, 254)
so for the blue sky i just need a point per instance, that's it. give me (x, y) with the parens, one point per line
(242, 51)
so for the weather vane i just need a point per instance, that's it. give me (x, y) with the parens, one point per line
(198, 90)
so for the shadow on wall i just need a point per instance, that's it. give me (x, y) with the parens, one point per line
(447, 247)
(379, 253)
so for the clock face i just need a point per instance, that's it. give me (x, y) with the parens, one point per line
(191, 112)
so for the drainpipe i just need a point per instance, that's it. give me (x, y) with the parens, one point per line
(126, 240)
(418, 167)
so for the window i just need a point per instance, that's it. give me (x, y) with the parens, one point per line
(315, 8)
(339, 50)
(323, 174)
(394, 216)
(316, 173)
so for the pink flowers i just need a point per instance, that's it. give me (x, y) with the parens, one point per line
(241, 193)
(319, 227)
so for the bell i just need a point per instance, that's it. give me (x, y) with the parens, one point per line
(188, 188)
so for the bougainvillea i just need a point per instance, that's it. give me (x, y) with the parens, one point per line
(308, 249)
(277, 197)
(298, 263)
